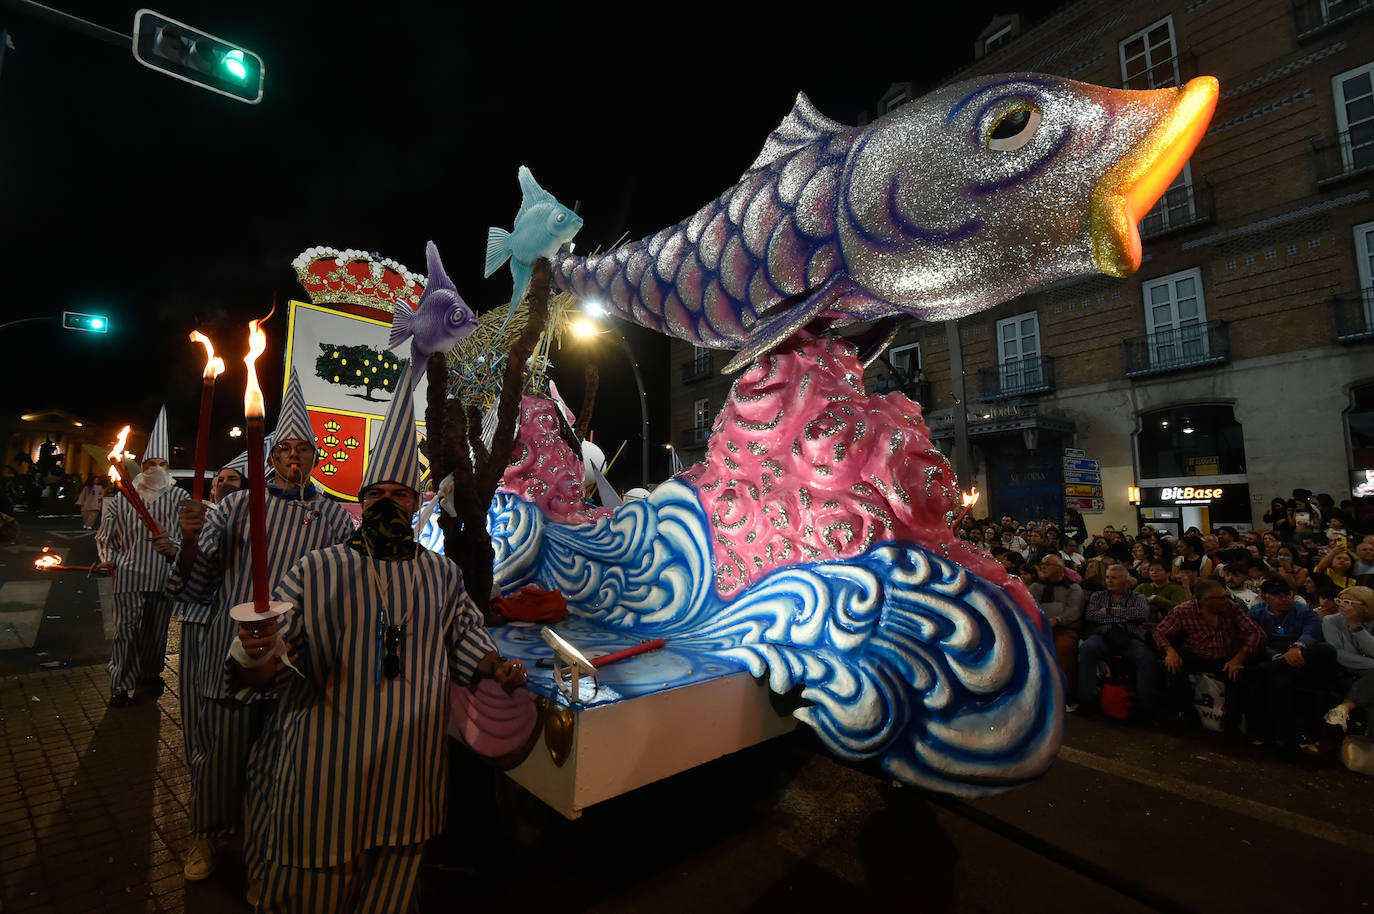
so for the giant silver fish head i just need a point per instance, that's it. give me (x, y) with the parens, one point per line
(985, 189)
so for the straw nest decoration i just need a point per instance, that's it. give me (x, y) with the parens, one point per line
(477, 364)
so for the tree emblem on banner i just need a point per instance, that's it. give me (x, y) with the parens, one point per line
(359, 366)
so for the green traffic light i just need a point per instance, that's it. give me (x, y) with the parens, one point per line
(97, 323)
(233, 62)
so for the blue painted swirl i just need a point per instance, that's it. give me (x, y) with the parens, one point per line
(902, 655)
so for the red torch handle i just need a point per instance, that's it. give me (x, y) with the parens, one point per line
(628, 652)
(207, 399)
(257, 512)
(126, 485)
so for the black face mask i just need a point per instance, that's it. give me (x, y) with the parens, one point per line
(385, 532)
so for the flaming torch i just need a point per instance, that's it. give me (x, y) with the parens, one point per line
(50, 562)
(254, 414)
(126, 485)
(214, 367)
(970, 499)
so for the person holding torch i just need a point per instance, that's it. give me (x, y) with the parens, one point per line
(365, 639)
(137, 551)
(214, 573)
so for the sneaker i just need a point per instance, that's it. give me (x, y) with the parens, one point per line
(200, 860)
(254, 894)
(121, 699)
(1338, 716)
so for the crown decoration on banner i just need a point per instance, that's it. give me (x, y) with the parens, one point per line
(331, 276)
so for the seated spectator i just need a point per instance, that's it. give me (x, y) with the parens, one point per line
(1070, 554)
(1140, 562)
(1293, 655)
(1364, 558)
(1210, 633)
(1227, 538)
(1115, 624)
(1338, 566)
(1190, 558)
(1324, 593)
(1238, 584)
(1038, 546)
(1013, 542)
(1348, 633)
(1161, 593)
(1288, 567)
(1062, 602)
(1210, 547)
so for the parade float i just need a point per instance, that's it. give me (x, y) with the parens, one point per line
(806, 571)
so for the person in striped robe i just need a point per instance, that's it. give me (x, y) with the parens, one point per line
(213, 574)
(140, 564)
(377, 629)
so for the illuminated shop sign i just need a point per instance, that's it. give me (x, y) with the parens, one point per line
(1190, 495)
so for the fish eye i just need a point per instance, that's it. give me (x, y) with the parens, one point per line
(562, 217)
(1014, 129)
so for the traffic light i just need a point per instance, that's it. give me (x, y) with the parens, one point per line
(192, 56)
(94, 323)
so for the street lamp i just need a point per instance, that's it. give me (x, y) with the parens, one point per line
(585, 327)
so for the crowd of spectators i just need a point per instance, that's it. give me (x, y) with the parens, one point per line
(1282, 617)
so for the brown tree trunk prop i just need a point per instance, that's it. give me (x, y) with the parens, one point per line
(589, 388)
(456, 447)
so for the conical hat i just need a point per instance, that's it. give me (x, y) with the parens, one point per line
(395, 454)
(294, 420)
(157, 440)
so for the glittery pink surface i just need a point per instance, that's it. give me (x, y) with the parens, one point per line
(544, 470)
(803, 466)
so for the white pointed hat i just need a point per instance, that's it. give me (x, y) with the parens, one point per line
(395, 454)
(294, 419)
(157, 440)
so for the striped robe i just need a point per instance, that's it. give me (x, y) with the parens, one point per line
(360, 765)
(219, 737)
(141, 612)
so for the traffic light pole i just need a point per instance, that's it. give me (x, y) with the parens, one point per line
(67, 21)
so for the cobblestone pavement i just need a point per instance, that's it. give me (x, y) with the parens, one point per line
(93, 799)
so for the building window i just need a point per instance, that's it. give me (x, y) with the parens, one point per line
(1148, 58)
(1018, 352)
(998, 38)
(906, 360)
(1200, 439)
(701, 413)
(1176, 318)
(1353, 92)
(701, 359)
(1174, 208)
(1364, 264)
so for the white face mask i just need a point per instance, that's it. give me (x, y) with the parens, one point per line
(155, 479)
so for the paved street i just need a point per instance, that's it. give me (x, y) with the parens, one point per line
(92, 818)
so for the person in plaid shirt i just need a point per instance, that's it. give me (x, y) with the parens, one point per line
(1210, 633)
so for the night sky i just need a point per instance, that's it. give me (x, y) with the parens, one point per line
(383, 126)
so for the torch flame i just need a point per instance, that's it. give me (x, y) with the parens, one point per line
(47, 561)
(257, 345)
(214, 366)
(971, 497)
(116, 453)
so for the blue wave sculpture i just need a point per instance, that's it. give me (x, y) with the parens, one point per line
(903, 655)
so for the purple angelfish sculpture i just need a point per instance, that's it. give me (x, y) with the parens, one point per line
(438, 323)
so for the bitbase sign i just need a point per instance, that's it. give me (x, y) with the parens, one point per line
(1190, 495)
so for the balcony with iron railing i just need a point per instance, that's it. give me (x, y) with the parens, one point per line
(1346, 155)
(1019, 378)
(696, 437)
(1353, 316)
(1175, 71)
(1180, 208)
(1315, 16)
(698, 369)
(1192, 346)
(912, 388)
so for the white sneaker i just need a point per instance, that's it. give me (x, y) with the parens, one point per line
(1338, 716)
(200, 860)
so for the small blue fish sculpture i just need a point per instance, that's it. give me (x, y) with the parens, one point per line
(948, 205)
(541, 227)
(440, 320)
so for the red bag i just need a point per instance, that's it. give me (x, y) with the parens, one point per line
(1117, 700)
